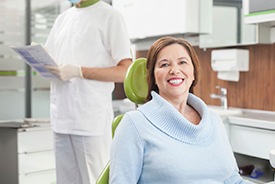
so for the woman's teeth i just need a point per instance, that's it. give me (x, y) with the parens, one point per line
(175, 81)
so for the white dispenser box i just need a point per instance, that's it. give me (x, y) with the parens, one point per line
(229, 62)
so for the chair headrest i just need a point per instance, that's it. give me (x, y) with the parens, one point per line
(135, 84)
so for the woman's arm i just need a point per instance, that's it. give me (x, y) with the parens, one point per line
(126, 154)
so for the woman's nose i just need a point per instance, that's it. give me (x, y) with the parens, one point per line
(174, 69)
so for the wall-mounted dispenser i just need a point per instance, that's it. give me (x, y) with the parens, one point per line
(229, 62)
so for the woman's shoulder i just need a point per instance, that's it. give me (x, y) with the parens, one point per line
(135, 115)
(135, 119)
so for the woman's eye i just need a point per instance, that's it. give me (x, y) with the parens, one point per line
(182, 62)
(164, 65)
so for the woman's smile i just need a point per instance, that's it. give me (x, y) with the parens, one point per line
(176, 81)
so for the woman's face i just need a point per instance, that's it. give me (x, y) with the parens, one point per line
(174, 71)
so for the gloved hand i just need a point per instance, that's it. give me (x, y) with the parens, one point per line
(66, 72)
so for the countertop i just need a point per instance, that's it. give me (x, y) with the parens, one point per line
(254, 118)
(25, 123)
(247, 117)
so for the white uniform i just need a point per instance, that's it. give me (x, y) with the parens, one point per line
(93, 36)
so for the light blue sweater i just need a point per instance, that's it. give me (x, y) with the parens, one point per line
(155, 144)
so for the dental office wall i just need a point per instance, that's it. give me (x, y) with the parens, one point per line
(254, 90)
(15, 22)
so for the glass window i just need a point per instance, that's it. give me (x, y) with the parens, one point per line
(13, 21)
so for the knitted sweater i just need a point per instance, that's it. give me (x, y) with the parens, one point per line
(155, 144)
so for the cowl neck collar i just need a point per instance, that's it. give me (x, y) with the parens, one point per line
(168, 120)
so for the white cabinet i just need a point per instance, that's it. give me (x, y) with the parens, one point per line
(256, 11)
(151, 18)
(251, 134)
(252, 141)
(27, 156)
(229, 27)
(224, 33)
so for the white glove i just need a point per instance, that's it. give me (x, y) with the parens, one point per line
(66, 72)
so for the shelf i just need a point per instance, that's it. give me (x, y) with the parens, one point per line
(258, 163)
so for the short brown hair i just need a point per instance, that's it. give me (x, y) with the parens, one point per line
(152, 58)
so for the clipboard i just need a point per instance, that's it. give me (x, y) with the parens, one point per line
(37, 58)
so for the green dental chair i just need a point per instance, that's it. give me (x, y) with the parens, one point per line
(135, 87)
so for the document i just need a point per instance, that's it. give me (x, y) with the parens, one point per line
(37, 57)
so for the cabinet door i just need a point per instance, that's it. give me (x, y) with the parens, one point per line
(46, 177)
(229, 28)
(164, 18)
(252, 141)
(151, 18)
(35, 140)
(224, 30)
(36, 162)
(256, 11)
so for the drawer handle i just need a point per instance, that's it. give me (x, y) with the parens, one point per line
(39, 172)
(40, 151)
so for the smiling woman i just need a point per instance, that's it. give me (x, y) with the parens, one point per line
(173, 137)
(157, 53)
(174, 72)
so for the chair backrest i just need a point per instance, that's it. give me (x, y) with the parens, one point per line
(136, 88)
(135, 84)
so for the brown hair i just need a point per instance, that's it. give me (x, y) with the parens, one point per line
(152, 58)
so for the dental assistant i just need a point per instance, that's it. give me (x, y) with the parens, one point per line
(90, 44)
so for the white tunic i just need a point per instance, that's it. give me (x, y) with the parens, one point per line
(82, 106)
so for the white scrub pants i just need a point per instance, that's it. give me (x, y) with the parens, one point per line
(80, 159)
